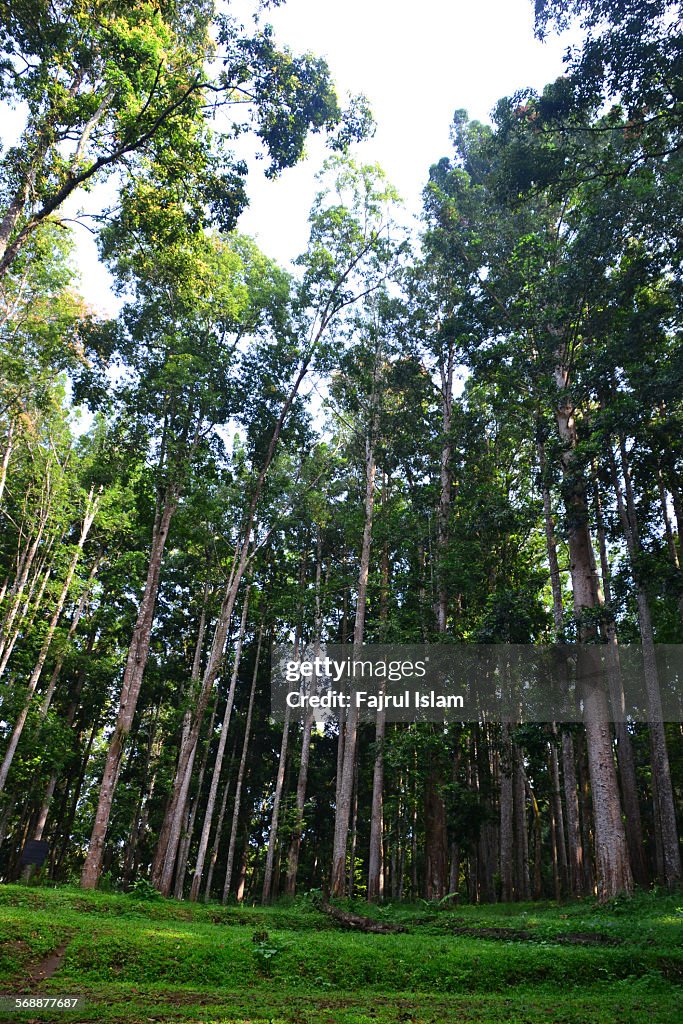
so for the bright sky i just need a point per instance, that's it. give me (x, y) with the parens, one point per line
(416, 63)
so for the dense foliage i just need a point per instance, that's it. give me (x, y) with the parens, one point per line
(473, 436)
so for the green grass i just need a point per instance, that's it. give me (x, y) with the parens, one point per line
(137, 960)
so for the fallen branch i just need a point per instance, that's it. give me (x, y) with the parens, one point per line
(358, 921)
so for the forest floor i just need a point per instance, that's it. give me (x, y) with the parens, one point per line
(134, 961)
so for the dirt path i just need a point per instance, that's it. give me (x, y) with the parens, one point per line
(47, 967)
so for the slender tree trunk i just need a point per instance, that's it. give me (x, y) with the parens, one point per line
(435, 811)
(267, 893)
(188, 815)
(668, 532)
(625, 758)
(522, 881)
(376, 856)
(76, 618)
(351, 882)
(558, 815)
(666, 818)
(587, 830)
(130, 690)
(376, 861)
(575, 851)
(611, 851)
(88, 518)
(24, 563)
(538, 847)
(217, 837)
(162, 841)
(446, 370)
(241, 771)
(506, 818)
(571, 803)
(6, 456)
(551, 546)
(344, 792)
(218, 764)
(244, 868)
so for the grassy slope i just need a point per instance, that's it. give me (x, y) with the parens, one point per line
(138, 961)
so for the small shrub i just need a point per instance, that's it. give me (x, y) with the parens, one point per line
(144, 890)
(265, 950)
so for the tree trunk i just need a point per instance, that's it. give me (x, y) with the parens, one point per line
(218, 764)
(130, 690)
(575, 852)
(376, 856)
(611, 852)
(195, 673)
(24, 564)
(522, 881)
(571, 802)
(446, 370)
(241, 771)
(267, 893)
(625, 758)
(189, 815)
(558, 816)
(435, 840)
(343, 808)
(7, 454)
(88, 518)
(506, 818)
(666, 818)
(217, 837)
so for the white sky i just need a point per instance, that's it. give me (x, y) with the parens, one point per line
(416, 63)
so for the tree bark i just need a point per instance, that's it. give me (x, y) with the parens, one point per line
(376, 855)
(217, 836)
(130, 691)
(611, 851)
(241, 771)
(267, 893)
(446, 371)
(666, 817)
(88, 518)
(343, 809)
(575, 854)
(218, 764)
(625, 758)
(195, 673)
(506, 818)
(188, 816)
(558, 815)
(7, 454)
(522, 881)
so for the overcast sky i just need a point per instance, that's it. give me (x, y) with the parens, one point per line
(416, 62)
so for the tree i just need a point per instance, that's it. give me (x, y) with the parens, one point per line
(533, 285)
(190, 299)
(107, 86)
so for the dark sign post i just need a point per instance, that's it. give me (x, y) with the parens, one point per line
(35, 851)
